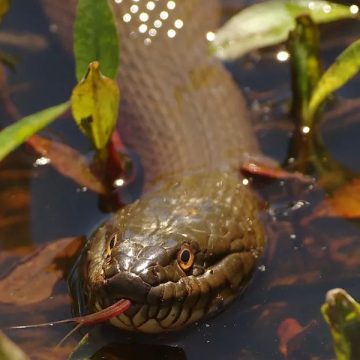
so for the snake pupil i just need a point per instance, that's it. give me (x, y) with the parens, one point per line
(185, 256)
(113, 241)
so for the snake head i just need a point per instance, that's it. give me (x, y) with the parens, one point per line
(178, 254)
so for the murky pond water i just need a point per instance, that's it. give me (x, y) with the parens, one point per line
(309, 251)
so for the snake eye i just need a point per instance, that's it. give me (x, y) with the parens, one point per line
(112, 242)
(185, 257)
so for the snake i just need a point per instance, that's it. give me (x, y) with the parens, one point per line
(190, 244)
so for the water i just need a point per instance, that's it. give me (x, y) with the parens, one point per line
(303, 260)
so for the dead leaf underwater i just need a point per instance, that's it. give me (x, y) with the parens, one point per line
(32, 280)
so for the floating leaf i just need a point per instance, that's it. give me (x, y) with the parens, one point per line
(269, 23)
(345, 67)
(9, 350)
(95, 102)
(342, 313)
(33, 279)
(14, 135)
(68, 162)
(95, 37)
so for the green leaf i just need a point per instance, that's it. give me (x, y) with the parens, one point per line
(345, 67)
(95, 38)
(95, 102)
(303, 45)
(269, 23)
(14, 135)
(342, 314)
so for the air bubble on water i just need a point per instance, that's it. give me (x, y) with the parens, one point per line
(82, 189)
(262, 268)
(41, 161)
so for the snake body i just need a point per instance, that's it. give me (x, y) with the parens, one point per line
(189, 245)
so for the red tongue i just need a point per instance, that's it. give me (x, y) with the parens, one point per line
(98, 317)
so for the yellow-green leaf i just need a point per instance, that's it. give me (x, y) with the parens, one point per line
(14, 135)
(9, 350)
(95, 102)
(342, 314)
(268, 23)
(4, 7)
(345, 67)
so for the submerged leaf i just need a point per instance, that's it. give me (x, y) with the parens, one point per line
(68, 162)
(9, 350)
(95, 37)
(342, 313)
(345, 67)
(33, 279)
(292, 337)
(95, 102)
(14, 135)
(269, 23)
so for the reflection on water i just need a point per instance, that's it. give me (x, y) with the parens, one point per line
(304, 257)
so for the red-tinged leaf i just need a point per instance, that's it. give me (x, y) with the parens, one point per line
(292, 337)
(344, 202)
(33, 279)
(68, 162)
(288, 329)
(264, 170)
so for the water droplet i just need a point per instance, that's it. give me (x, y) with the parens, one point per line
(178, 23)
(171, 33)
(283, 56)
(164, 15)
(210, 36)
(354, 9)
(144, 16)
(171, 5)
(127, 18)
(142, 28)
(134, 9)
(150, 5)
(158, 23)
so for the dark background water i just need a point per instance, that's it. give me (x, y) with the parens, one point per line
(302, 261)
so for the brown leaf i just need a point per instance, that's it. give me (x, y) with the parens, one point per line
(344, 202)
(33, 279)
(68, 162)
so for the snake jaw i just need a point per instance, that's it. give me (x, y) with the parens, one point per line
(127, 285)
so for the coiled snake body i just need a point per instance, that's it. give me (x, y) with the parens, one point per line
(190, 243)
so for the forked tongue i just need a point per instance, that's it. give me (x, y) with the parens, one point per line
(95, 318)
